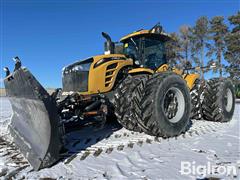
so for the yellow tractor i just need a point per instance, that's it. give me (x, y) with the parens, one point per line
(131, 82)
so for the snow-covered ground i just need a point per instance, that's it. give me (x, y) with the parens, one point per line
(116, 153)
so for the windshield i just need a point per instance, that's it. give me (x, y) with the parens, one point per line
(154, 53)
(131, 48)
(149, 52)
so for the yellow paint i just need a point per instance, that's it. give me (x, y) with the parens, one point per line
(134, 34)
(137, 33)
(198, 68)
(178, 71)
(190, 79)
(97, 80)
(141, 70)
(162, 68)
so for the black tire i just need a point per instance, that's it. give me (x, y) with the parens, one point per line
(151, 115)
(196, 95)
(219, 100)
(124, 103)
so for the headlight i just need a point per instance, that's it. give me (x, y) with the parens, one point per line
(82, 67)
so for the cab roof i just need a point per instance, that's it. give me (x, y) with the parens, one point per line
(148, 33)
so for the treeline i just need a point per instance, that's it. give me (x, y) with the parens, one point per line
(206, 44)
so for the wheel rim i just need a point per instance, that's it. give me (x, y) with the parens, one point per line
(228, 100)
(174, 104)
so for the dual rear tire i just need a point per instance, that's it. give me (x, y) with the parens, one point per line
(197, 98)
(219, 100)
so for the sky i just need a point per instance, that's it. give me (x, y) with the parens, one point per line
(50, 34)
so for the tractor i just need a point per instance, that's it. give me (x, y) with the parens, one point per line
(131, 82)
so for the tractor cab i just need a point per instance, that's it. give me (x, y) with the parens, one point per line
(146, 47)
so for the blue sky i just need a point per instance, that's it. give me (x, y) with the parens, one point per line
(47, 35)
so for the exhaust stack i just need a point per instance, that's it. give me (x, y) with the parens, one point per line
(108, 45)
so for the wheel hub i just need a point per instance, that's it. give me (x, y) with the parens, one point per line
(228, 100)
(170, 104)
(174, 105)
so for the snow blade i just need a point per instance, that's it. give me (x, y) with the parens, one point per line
(34, 124)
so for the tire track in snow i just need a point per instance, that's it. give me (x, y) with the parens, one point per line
(126, 139)
(98, 143)
(14, 160)
(117, 141)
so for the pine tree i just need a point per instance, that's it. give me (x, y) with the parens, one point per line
(218, 30)
(232, 54)
(200, 35)
(185, 42)
(173, 50)
(193, 49)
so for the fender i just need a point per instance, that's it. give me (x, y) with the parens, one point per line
(162, 68)
(141, 71)
(190, 79)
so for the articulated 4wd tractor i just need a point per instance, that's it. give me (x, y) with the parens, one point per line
(135, 85)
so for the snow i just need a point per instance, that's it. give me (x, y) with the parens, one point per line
(116, 153)
(5, 115)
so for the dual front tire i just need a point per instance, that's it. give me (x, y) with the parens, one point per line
(160, 105)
